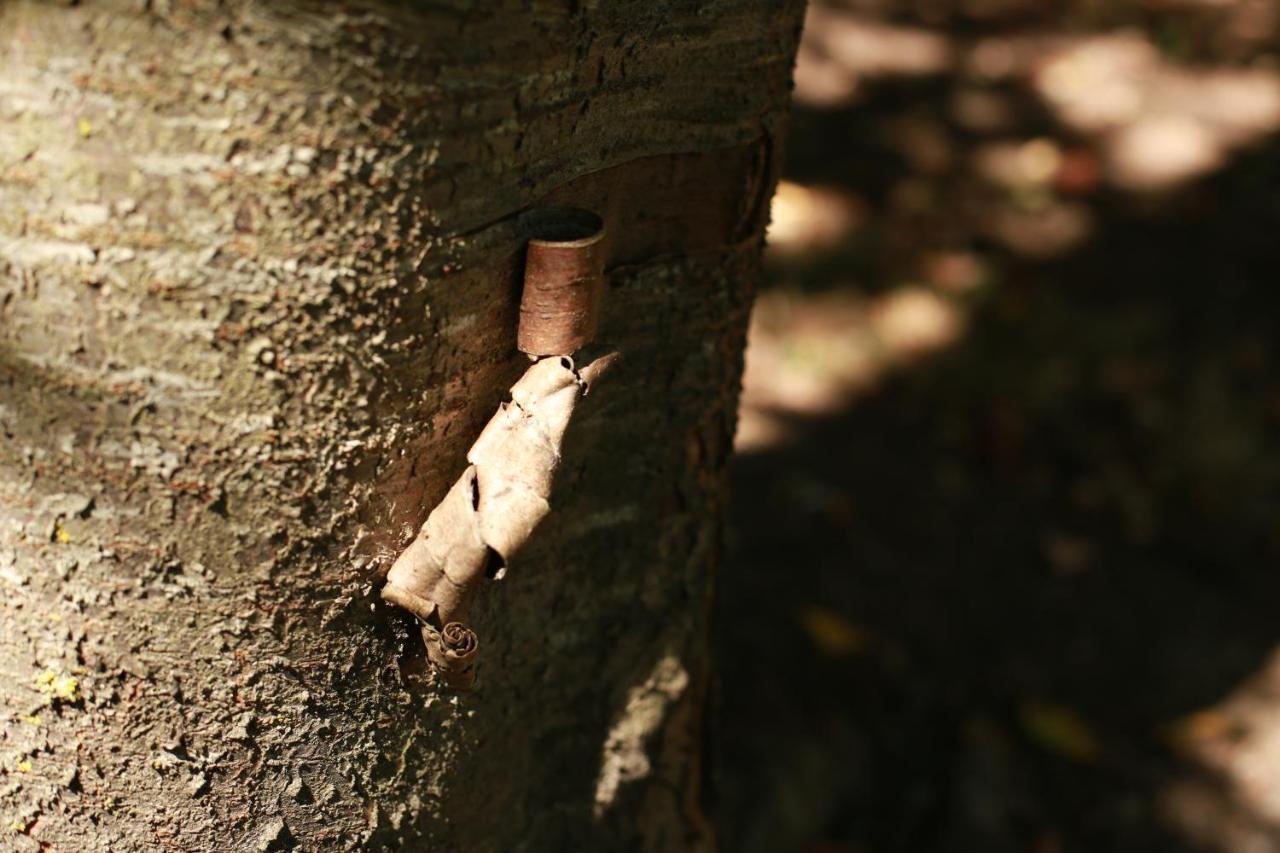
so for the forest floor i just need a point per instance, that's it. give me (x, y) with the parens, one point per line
(1006, 518)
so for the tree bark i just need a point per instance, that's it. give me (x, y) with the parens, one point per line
(259, 273)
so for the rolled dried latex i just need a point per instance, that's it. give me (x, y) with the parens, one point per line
(491, 511)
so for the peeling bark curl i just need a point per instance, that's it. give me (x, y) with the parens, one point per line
(454, 655)
(493, 508)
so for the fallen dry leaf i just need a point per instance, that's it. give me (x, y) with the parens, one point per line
(1059, 730)
(832, 634)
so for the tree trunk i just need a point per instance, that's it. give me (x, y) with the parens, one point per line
(259, 269)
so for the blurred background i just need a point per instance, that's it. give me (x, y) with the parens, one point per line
(1007, 492)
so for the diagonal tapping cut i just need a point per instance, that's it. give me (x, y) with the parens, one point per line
(495, 506)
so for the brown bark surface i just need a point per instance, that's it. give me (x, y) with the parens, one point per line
(258, 270)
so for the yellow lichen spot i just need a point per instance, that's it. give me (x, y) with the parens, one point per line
(85, 127)
(24, 766)
(32, 719)
(60, 534)
(17, 826)
(58, 687)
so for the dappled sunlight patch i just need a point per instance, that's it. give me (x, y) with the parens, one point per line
(1046, 229)
(759, 429)
(1240, 104)
(813, 354)
(841, 49)
(1161, 151)
(1031, 216)
(913, 321)
(1157, 123)
(805, 355)
(1019, 164)
(1099, 83)
(956, 272)
(808, 218)
(1236, 746)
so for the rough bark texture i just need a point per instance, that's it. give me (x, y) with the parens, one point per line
(257, 295)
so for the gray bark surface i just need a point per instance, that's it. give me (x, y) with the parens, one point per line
(258, 291)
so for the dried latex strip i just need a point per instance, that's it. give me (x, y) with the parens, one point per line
(502, 496)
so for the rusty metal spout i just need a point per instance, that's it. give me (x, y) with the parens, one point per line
(563, 281)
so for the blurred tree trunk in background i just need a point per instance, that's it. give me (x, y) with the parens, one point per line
(258, 269)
